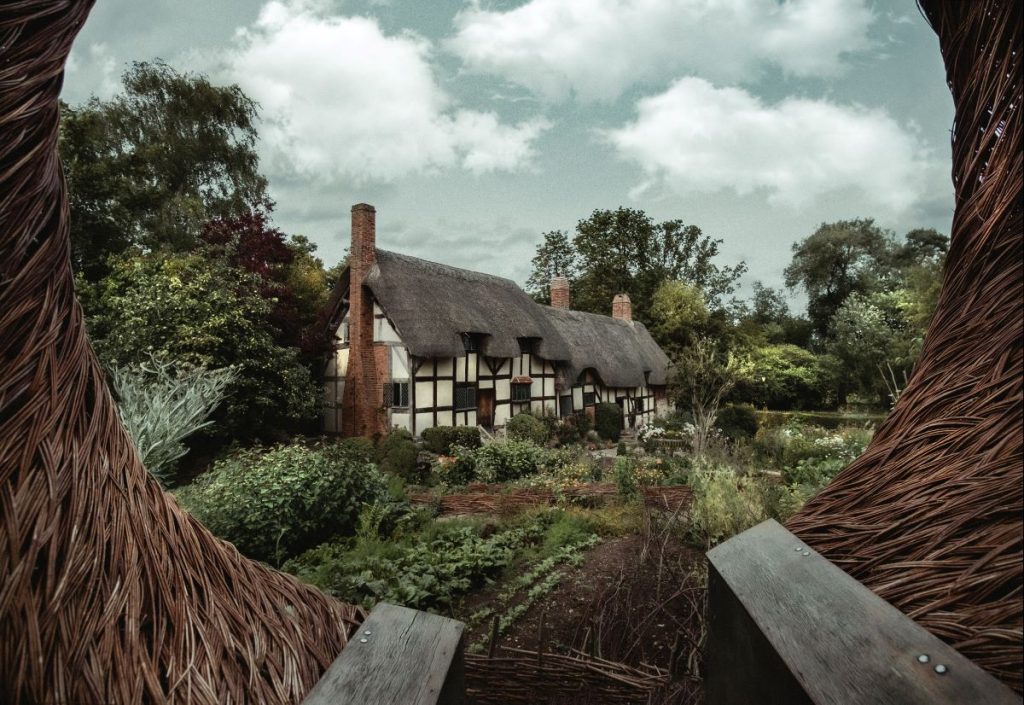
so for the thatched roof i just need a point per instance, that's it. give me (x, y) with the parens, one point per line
(431, 305)
(622, 353)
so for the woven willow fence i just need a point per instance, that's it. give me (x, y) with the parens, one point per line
(930, 516)
(110, 593)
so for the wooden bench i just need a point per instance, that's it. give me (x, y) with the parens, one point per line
(398, 655)
(787, 626)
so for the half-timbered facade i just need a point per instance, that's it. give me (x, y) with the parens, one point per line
(419, 344)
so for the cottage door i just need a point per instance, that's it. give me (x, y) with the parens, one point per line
(485, 408)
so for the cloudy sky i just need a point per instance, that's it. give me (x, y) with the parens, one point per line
(476, 126)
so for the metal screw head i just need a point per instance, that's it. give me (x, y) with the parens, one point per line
(806, 553)
(798, 548)
(363, 640)
(923, 658)
(367, 632)
(940, 669)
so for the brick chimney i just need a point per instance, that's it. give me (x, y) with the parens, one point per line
(560, 292)
(622, 307)
(363, 397)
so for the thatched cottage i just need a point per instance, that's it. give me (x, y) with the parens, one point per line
(419, 344)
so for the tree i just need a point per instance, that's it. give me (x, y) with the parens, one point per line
(705, 373)
(839, 259)
(152, 165)
(200, 311)
(677, 314)
(292, 278)
(555, 257)
(876, 343)
(625, 251)
(783, 377)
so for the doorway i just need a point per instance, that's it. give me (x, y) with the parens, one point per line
(485, 408)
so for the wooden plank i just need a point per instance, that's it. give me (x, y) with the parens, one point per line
(788, 626)
(399, 655)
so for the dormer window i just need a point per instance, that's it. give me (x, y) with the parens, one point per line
(471, 342)
(526, 346)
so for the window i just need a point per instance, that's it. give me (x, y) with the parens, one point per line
(526, 345)
(589, 398)
(465, 397)
(470, 342)
(521, 392)
(565, 405)
(638, 405)
(399, 395)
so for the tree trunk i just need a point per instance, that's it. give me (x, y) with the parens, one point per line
(930, 516)
(111, 593)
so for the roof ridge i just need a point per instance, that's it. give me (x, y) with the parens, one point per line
(474, 274)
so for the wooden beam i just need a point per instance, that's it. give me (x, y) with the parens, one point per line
(398, 655)
(787, 626)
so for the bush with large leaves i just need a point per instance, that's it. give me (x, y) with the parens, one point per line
(275, 504)
(201, 311)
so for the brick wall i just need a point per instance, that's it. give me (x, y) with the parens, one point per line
(622, 307)
(560, 293)
(362, 405)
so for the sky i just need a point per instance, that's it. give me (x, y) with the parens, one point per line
(475, 126)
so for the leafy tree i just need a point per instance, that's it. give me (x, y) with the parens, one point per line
(783, 377)
(199, 310)
(152, 165)
(839, 259)
(768, 321)
(626, 251)
(678, 314)
(292, 278)
(706, 371)
(555, 256)
(876, 342)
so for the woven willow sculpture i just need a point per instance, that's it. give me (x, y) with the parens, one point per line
(930, 517)
(110, 592)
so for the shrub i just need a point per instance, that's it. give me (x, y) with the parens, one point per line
(568, 430)
(459, 468)
(814, 472)
(161, 407)
(441, 439)
(358, 447)
(277, 503)
(723, 504)
(737, 421)
(511, 460)
(525, 427)
(397, 453)
(608, 421)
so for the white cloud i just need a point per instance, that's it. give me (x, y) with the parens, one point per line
(96, 67)
(339, 98)
(599, 48)
(695, 137)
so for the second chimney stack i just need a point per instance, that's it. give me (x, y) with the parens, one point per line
(622, 307)
(560, 292)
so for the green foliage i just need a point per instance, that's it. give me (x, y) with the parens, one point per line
(724, 504)
(511, 460)
(397, 455)
(427, 572)
(277, 503)
(705, 372)
(626, 251)
(625, 480)
(153, 164)
(737, 421)
(526, 427)
(608, 421)
(161, 406)
(787, 377)
(678, 313)
(839, 259)
(202, 312)
(873, 337)
(459, 468)
(441, 439)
